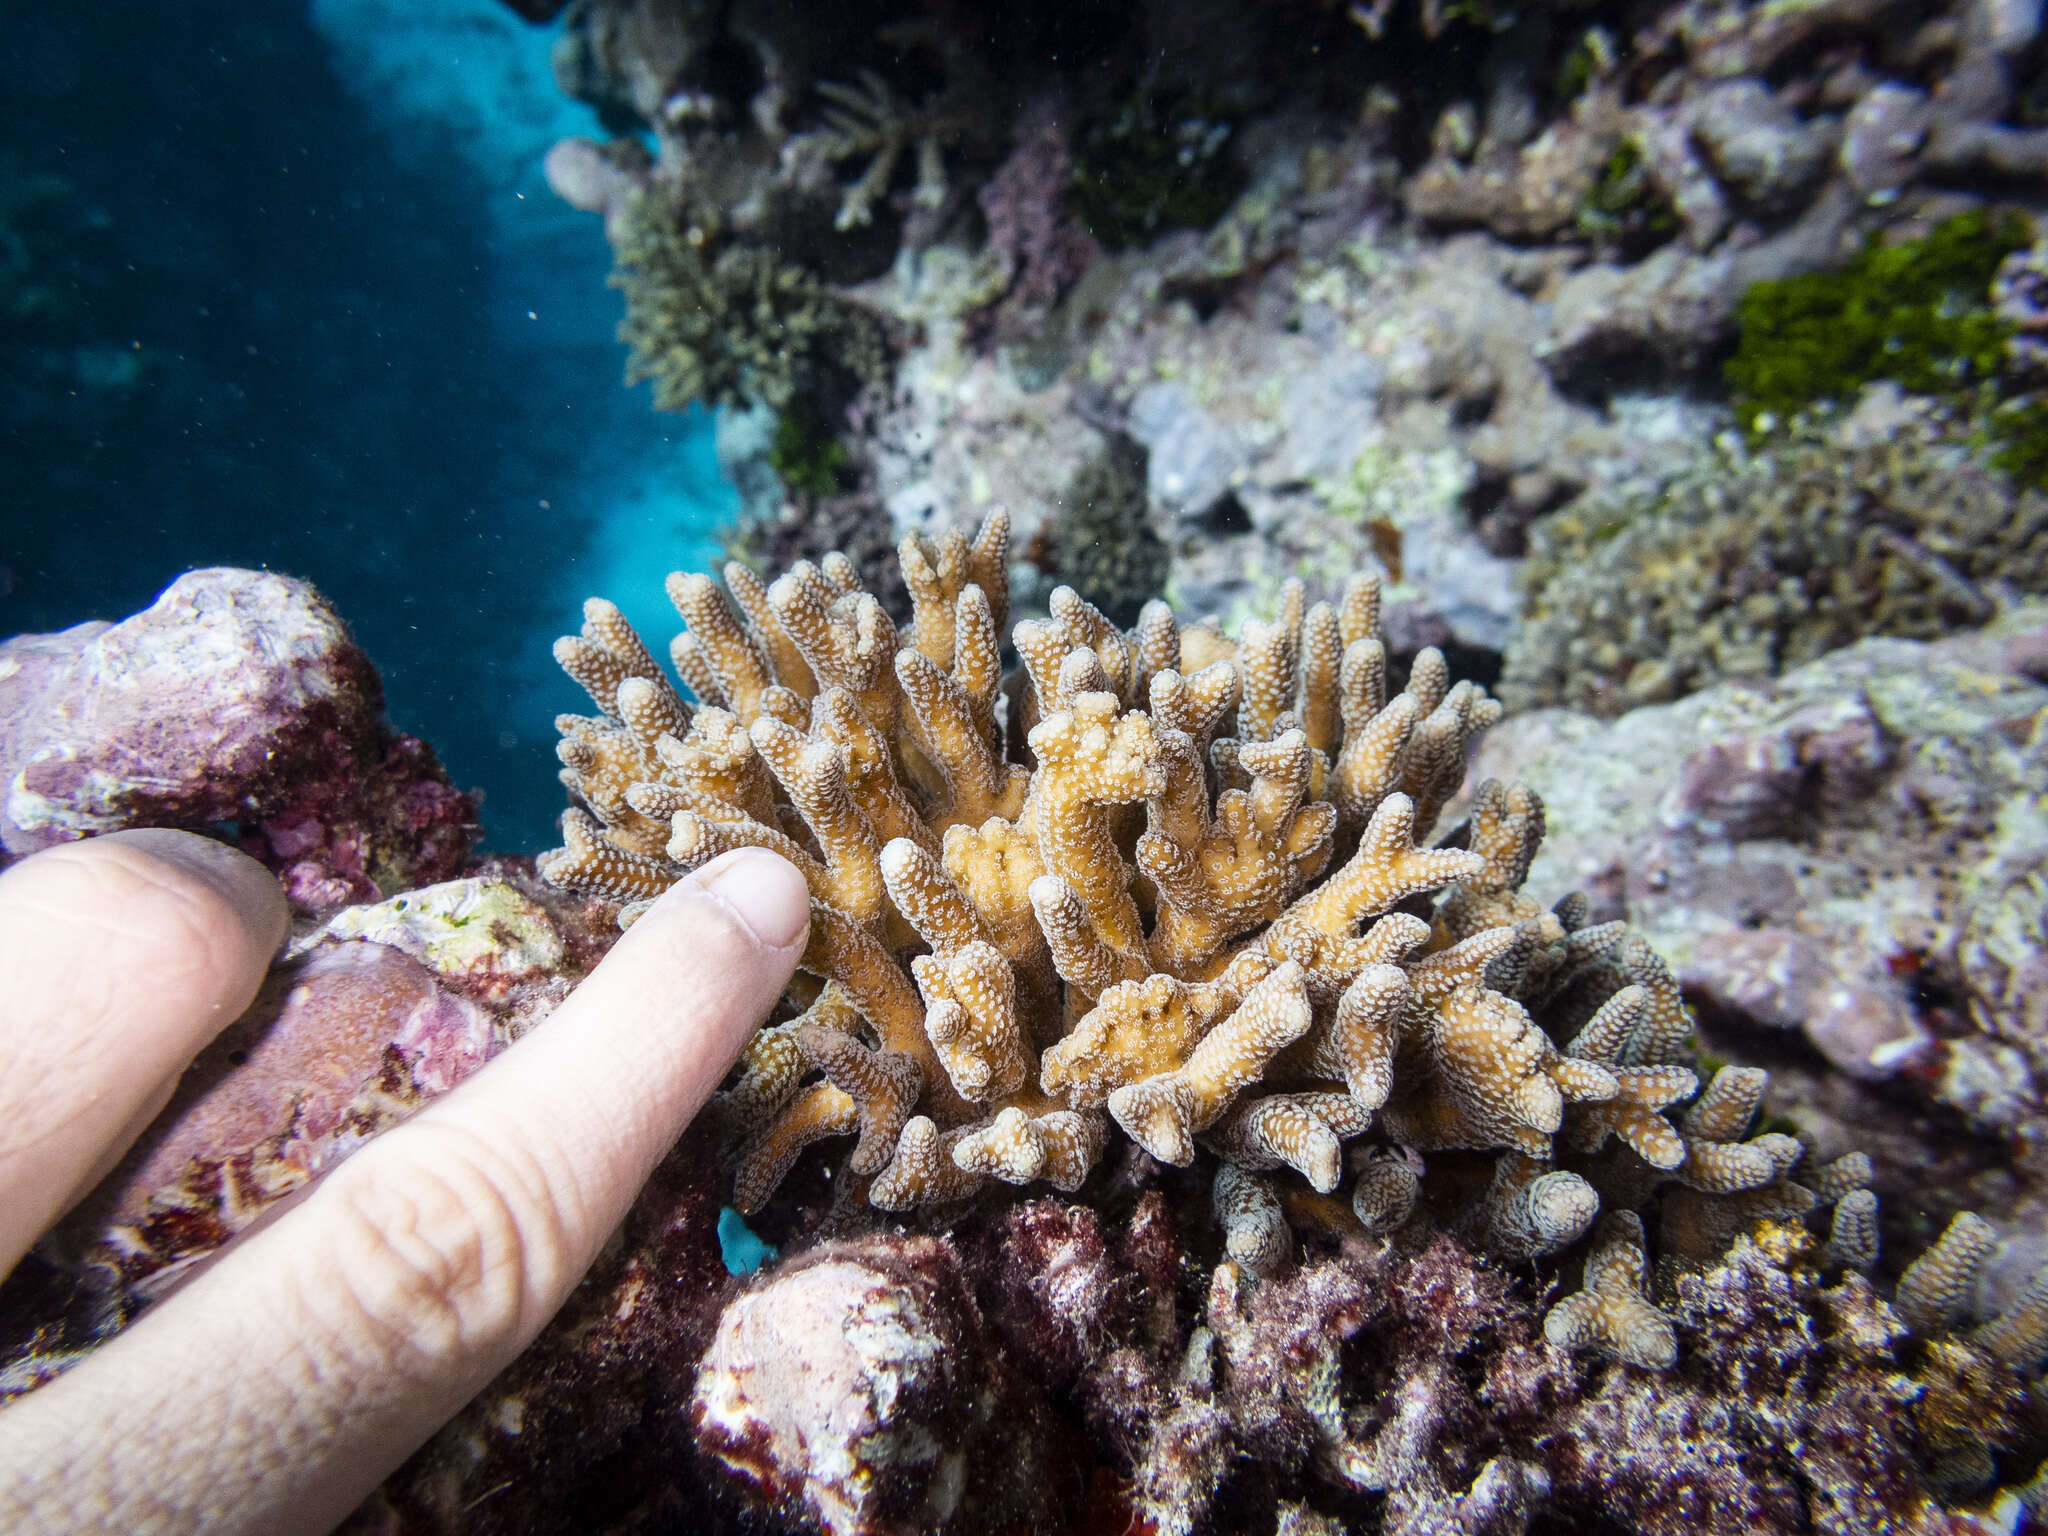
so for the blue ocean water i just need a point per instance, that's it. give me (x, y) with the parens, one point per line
(282, 286)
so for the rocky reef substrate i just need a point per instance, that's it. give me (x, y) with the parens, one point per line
(1115, 1358)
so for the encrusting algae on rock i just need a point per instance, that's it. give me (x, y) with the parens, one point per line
(1196, 902)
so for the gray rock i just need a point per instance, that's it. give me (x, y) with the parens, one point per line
(1329, 410)
(1672, 306)
(2001, 26)
(1759, 146)
(1194, 459)
(1882, 139)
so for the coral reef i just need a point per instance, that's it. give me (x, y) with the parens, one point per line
(1269, 973)
(1796, 1406)
(1262, 1084)
(237, 698)
(1847, 856)
(1885, 521)
(1469, 295)
(1206, 1335)
(1278, 966)
(781, 139)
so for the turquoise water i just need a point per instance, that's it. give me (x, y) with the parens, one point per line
(302, 300)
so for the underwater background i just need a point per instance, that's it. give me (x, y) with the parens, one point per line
(283, 287)
(1403, 644)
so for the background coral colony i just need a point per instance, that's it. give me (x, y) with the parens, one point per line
(1403, 645)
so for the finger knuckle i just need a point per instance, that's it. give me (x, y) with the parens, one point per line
(438, 1259)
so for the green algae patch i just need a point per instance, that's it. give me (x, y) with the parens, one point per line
(1916, 313)
(807, 455)
(1624, 208)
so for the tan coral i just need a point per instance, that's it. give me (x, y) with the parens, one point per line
(1163, 1113)
(1613, 1314)
(1534, 1209)
(1167, 879)
(1389, 1184)
(1302, 1131)
(1255, 1232)
(1935, 1288)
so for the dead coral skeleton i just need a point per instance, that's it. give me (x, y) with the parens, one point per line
(1280, 963)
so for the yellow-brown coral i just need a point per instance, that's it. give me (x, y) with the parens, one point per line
(1171, 881)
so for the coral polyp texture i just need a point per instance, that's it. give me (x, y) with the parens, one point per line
(1168, 885)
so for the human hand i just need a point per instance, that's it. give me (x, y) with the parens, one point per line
(282, 1384)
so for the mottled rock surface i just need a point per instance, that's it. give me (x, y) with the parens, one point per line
(1854, 853)
(236, 698)
(860, 1384)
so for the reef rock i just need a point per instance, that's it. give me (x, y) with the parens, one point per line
(237, 697)
(860, 1383)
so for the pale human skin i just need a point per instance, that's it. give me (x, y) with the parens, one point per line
(277, 1388)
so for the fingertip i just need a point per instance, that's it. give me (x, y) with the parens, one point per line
(249, 890)
(123, 955)
(764, 893)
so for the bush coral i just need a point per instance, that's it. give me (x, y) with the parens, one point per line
(1916, 313)
(1214, 922)
(1747, 564)
(729, 322)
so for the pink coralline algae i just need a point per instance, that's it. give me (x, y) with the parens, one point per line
(237, 697)
(1040, 247)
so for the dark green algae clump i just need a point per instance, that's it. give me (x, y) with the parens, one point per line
(1161, 160)
(1916, 313)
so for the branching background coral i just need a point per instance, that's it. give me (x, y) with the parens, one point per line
(1884, 521)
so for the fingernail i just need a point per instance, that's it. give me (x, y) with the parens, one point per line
(765, 893)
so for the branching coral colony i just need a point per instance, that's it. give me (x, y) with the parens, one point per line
(1213, 921)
